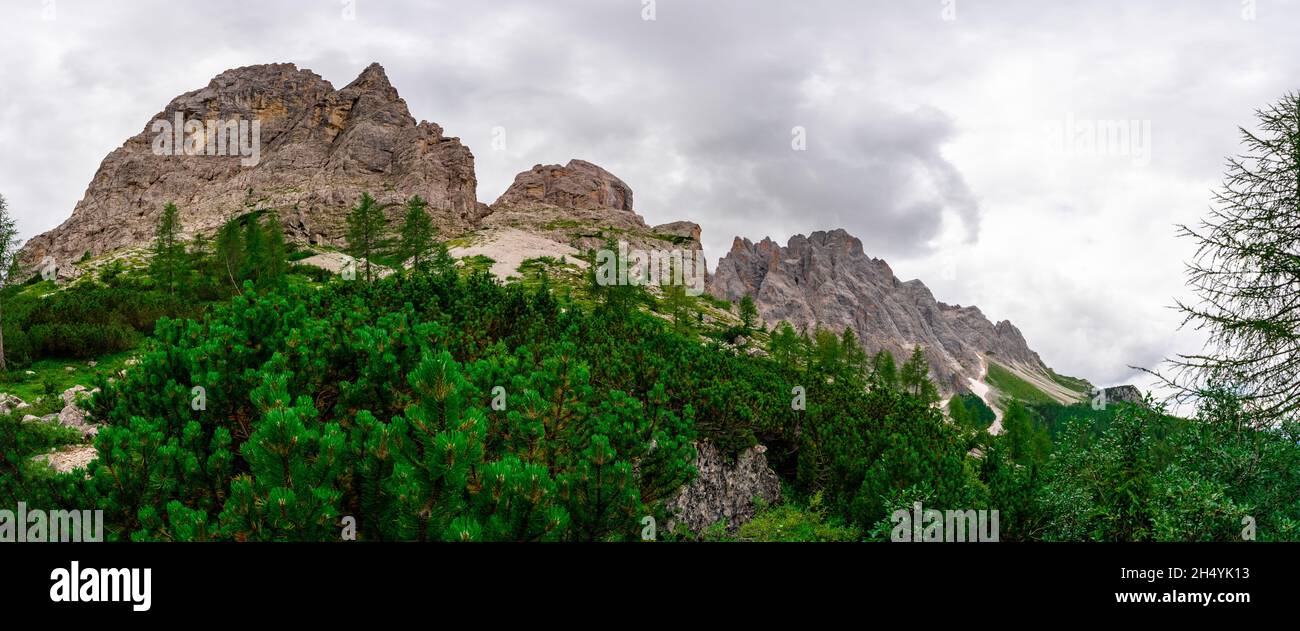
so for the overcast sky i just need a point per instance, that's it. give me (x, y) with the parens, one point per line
(949, 135)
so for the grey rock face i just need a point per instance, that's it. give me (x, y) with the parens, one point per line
(1125, 393)
(725, 492)
(578, 184)
(320, 148)
(581, 205)
(75, 416)
(825, 279)
(77, 394)
(10, 403)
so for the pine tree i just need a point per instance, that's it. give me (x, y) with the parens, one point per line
(275, 264)
(827, 354)
(958, 412)
(256, 255)
(8, 264)
(169, 265)
(884, 369)
(748, 315)
(679, 305)
(914, 376)
(366, 228)
(604, 283)
(1247, 274)
(443, 262)
(417, 234)
(855, 356)
(230, 252)
(785, 346)
(1027, 440)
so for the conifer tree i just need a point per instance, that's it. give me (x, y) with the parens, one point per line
(748, 315)
(1027, 441)
(417, 235)
(605, 284)
(884, 369)
(230, 252)
(275, 263)
(169, 266)
(914, 376)
(443, 262)
(679, 305)
(256, 255)
(855, 356)
(827, 354)
(1246, 274)
(366, 228)
(959, 413)
(785, 346)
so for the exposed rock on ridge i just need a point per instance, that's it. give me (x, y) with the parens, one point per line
(319, 149)
(579, 185)
(825, 279)
(582, 205)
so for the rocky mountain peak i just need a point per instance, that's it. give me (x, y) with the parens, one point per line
(826, 280)
(317, 150)
(578, 184)
(373, 79)
(582, 205)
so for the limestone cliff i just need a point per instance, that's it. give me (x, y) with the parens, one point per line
(317, 149)
(825, 279)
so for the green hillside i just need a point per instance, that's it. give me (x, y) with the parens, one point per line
(270, 401)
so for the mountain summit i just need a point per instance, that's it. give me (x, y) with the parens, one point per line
(825, 279)
(318, 149)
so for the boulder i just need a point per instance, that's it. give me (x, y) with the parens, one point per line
(1125, 393)
(10, 403)
(73, 415)
(723, 491)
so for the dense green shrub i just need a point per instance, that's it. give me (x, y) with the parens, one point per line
(376, 401)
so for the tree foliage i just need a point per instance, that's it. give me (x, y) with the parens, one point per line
(367, 234)
(169, 265)
(1246, 273)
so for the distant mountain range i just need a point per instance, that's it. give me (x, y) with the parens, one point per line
(320, 148)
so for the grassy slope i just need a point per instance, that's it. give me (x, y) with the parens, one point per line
(1011, 385)
(55, 372)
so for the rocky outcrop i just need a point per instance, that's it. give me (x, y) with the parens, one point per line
(319, 148)
(825, 279)
(582, 205)
(724, 492)
(74, 413)
(1125, 393)
(10, 403)
(578, 184)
